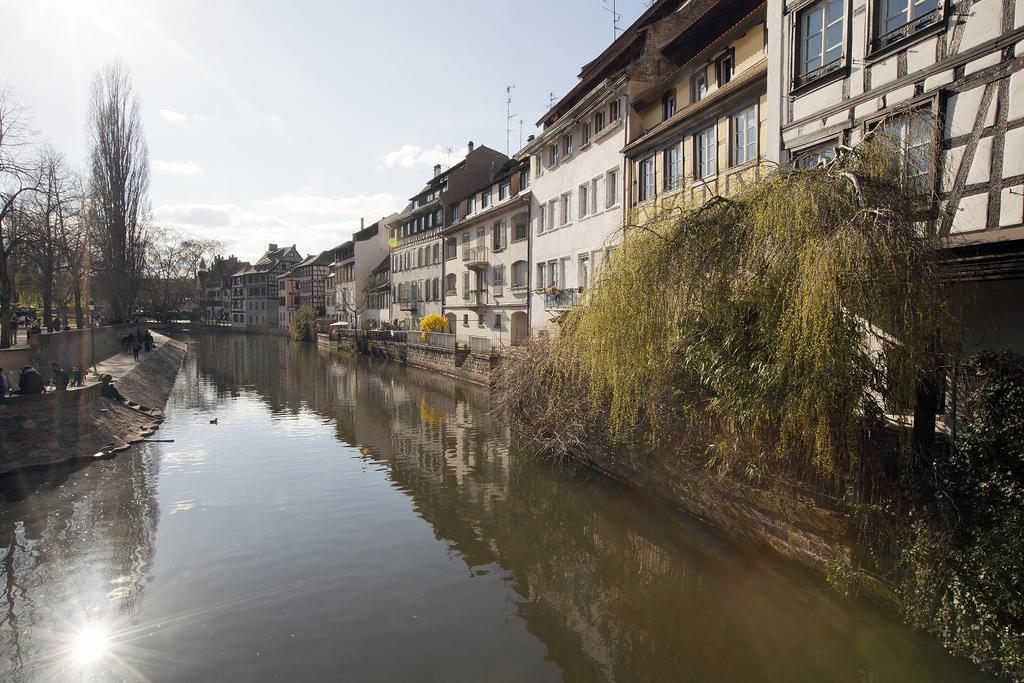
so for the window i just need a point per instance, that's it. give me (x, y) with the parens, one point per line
(584, 271)
(520, 230)
(645, 180)
(816, 156)
(553, 155)
(553, 279)
(520, 269)
(585, 134)
(821, 40)
(593, 195)
(668, 104)
(671, 163)
(540, 275)
(485, 198)
(705, 153)
(899, 18)
(504, 190)
(584, 198)
(455, 213)
(498, 277)
(913, 135)
(450, 284)
(465, 319)
(599, 122)
(480, 230)
(567, 145)
(724, 68)
(470, 205)
(699, 84)
(744, 136)
(552, 207)
(613, 110)
(497, 321)
(465, 284)
(465, 238)
(524, 179)
(541, 219)
(498, 236)
(566, 208)
(611, 188)
(437, 253)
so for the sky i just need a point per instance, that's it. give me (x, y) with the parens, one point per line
(287, 121)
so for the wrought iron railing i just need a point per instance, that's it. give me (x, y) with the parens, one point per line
(908, 29)
(815, 74)
(562, 299)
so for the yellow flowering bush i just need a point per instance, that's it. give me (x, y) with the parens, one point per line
(434, 322)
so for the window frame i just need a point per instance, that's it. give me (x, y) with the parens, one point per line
(697, 151)
(668, 104)
(798, 28)
(672, 179)
(733, 131)
(727, 57)
(646, 179)
(698, 76)
(916, 27)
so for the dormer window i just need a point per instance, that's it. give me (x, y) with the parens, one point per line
(725, 67)
(668, 104)
(699, 84)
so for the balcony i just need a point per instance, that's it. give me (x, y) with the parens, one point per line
(478, 298)
(475, 257)
(561, 299)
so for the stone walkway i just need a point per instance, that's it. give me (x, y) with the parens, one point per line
(121, 364)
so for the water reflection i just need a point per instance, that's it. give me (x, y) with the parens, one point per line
(292, 544)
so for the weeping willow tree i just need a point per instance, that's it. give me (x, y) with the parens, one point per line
(762, 328)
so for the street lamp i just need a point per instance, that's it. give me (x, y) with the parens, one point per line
(92, 332)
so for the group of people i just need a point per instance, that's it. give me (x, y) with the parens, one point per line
(31, 382)
(137, 341)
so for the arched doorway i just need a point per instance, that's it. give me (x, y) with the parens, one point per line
(518, 328)
(451, 322)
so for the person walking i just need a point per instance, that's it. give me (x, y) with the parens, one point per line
(136, 347)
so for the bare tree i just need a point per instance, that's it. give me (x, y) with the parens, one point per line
(17, 181)
(51, 209)
(172, 266)
(119, 188)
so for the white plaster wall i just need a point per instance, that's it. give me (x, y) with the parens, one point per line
(581, 235)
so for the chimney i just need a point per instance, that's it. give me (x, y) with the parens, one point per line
(437, 170)
(362, 223)
(273, 247)
(531, 138)
(470, 145)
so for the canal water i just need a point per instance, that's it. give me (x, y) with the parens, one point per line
(348, 519)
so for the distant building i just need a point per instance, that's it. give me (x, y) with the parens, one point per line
(378, 294)
(312, 273)
(486, 260)
(359, 257)
(288, 301)
(415, 234)
(254, 295)
(213, 295)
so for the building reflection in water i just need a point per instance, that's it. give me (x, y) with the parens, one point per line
(614, 587)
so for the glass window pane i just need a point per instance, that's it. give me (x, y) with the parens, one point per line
(835, 10)
(835, 36)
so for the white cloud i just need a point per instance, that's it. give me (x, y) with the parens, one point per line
(370, 207)
(180, 168)
(413, 156)
(312, 222)
(175, 117)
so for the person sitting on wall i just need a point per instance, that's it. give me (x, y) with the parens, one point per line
(60, 377)
(55, 325)
(30, 382)
(108, 390)
(5, 385)
(76, 377)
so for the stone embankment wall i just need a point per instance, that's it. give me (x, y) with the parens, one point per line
(472, 367)
(65, 427)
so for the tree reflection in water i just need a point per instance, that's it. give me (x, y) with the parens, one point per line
(298, 563)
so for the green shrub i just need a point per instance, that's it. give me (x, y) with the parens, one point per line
(964, 571)
(303, 324)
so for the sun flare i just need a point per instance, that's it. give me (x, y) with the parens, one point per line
(90, 645)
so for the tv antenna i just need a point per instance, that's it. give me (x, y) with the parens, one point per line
(613, 10)
(508, 118)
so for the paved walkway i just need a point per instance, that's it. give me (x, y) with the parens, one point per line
(121, 364)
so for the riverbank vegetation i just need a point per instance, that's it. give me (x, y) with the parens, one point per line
(793, 334)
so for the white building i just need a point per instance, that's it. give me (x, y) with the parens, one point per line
(577, 192)
(356, 260)
(487, 272)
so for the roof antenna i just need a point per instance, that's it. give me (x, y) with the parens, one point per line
(520, 133)
(615, 17)
(508, 118)
(551, 100)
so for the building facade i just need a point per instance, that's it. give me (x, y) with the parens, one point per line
(288, 301)
(486, 260)
(357, 259)
(698, 129)
(378, 294)
(943, 80)
(312, 274)
(417, 269)
(214, 289)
